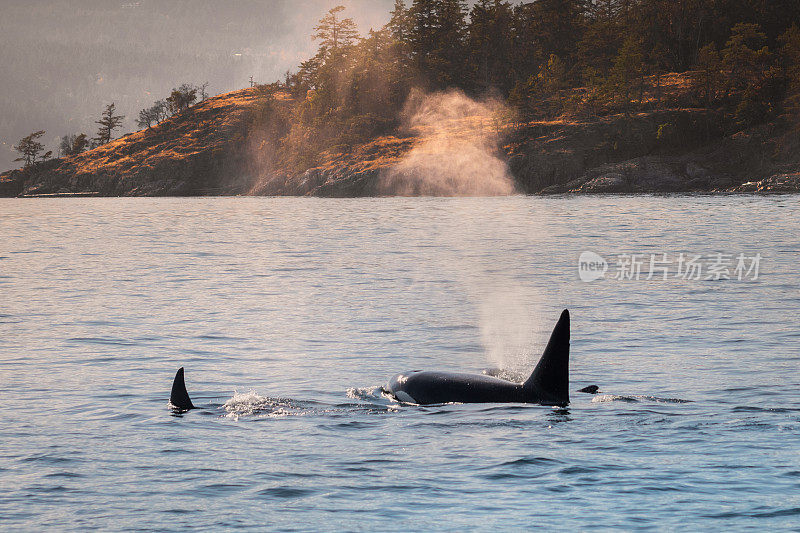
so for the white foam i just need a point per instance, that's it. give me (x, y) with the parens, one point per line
(251, 404)
(365, 393)
(604, 398)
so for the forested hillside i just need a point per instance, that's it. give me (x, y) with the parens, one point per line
(569, 89)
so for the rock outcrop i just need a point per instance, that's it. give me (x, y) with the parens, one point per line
(778, 183)
(726, 165)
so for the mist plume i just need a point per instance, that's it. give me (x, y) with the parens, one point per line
(457, 154)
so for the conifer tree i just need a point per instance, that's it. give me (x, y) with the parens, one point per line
(30, 150)
(334, 32)
(108, 122)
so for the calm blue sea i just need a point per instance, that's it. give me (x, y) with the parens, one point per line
(289, 314)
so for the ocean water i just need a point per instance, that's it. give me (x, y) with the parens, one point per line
(289, 314)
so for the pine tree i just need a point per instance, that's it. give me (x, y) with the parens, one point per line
(790, 60)
(399, 28)
(449, 53)
(399, 22)
(603, 36)
(73, 144)
(422, 34)
(181, 98)
(745, 55)
(108, 123)
(711, 65)
(80, 144)
(327, 72)
(334, 33)
(30, 149)
(747, 60)
(491, 45)
(627, 69)
(306, 77)
(437, 32)
(65, 146)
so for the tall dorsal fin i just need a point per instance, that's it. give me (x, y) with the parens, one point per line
(550, 379)
(179, 398)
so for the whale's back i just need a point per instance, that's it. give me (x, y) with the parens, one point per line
(432, 387)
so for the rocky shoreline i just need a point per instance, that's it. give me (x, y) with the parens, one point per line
(208, 151)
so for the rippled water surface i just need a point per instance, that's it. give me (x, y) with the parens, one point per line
(288, 315)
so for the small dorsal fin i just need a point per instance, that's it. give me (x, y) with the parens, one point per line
(550, 379)
(179, 398)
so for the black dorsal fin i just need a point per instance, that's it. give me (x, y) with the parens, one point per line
(179, 398)
(549, 382)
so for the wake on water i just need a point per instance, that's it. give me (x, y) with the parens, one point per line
(517, 376)
(606, 398)
(250, 404)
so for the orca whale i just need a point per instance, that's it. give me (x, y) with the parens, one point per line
(179, 397)
(547, 385)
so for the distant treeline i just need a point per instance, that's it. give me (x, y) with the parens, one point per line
(180, 99)
(747, 53)
(31, 151)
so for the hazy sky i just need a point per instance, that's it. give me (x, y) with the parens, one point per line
(62, 61)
